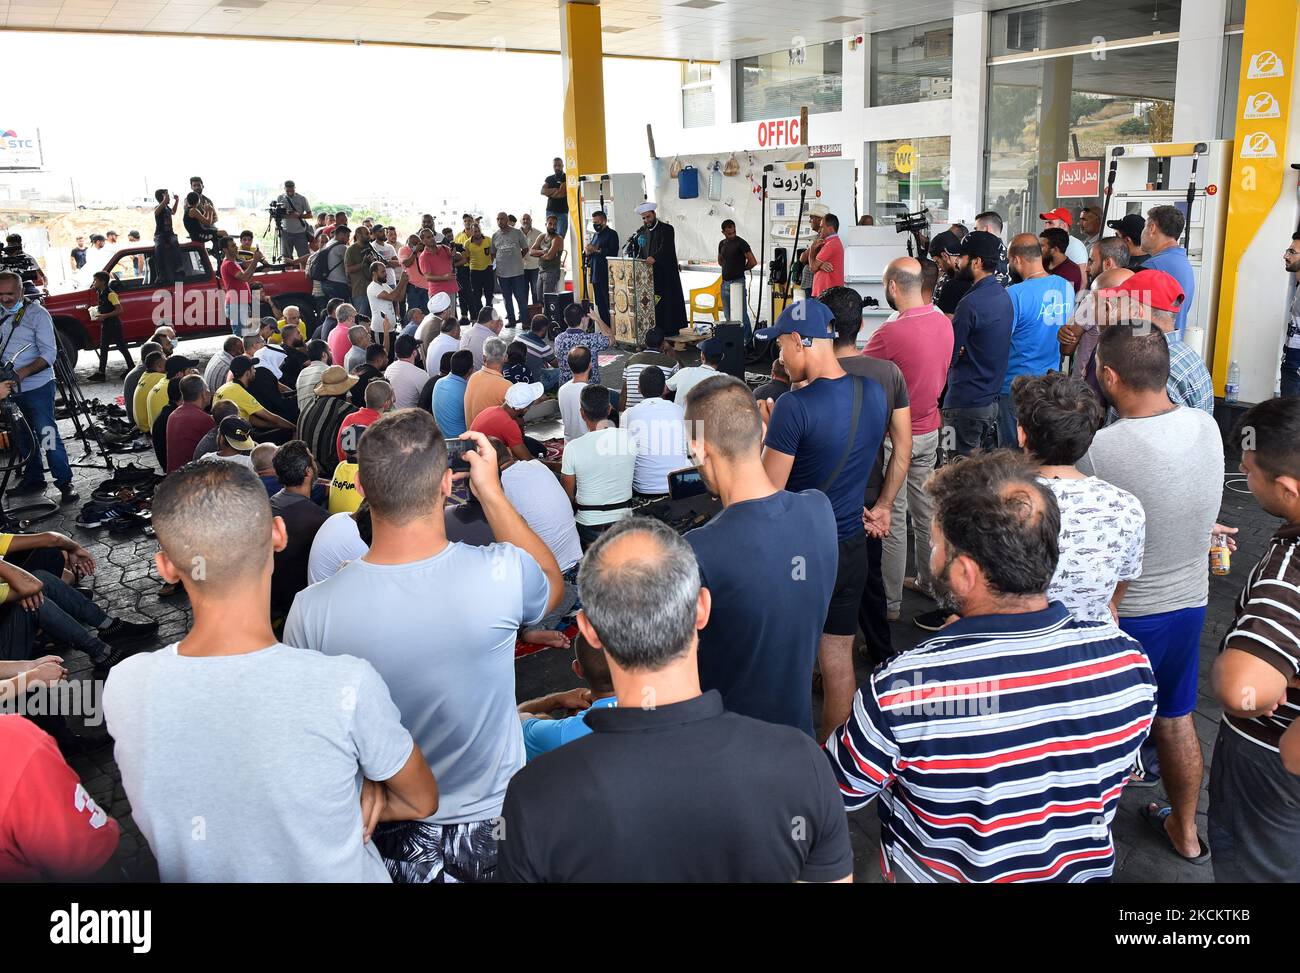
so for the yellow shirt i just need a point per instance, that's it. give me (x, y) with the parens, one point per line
(5, 540)
(344, 496)
(279, 326)
(479, 254)
(156, 401)
(139, 401)
(243, 399)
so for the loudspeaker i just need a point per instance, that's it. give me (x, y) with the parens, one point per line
(554, 305)
(732, 337)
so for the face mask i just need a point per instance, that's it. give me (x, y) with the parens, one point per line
(11, 308)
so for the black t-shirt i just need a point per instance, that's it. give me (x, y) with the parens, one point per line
(425, 400)
(677, 793)
(366, 374)
(302, 519)
(948, 291)
(771, 390)
(79, 256)
(466, 523)
(761, 642)
(294, 362)
(554, 205)
(265, 387)
(731, 255)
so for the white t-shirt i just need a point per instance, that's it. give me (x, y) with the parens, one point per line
(658, 428)
(1076, 251)
(438, 347)
(336, 543)
(686, 379)
(381, 308)
(407, 380)
(386, 253)
(570, 399)
(243, 459)
(1103, 533)
(533, 490)
(603, 462)
(275, 774)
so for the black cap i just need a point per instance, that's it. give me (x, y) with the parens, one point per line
(1130, 226)
(945, 242)
(980, 243)
(179, 363)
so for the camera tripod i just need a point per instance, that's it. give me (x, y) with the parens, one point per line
(276, 252)
(81, 414)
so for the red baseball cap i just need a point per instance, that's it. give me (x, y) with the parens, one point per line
(1060, 213)
(1153, 288)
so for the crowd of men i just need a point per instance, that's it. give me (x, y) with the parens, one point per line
(366, 530)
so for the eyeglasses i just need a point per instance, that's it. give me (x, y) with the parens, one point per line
(1293, 253)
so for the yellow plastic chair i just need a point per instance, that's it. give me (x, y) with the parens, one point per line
(714, 306)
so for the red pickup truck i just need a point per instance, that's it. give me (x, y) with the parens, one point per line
(194, 306)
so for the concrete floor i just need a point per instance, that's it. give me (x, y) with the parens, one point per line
(125, 583)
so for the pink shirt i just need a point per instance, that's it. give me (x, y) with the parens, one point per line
(437, 262)
(339, 342)
(919, 342)
(413, 274)
(832, 251)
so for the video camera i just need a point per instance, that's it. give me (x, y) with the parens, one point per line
(914, 223)
(277, 210)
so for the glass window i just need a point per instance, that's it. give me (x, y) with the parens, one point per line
(912, 64)
(778, 85)
(697, 95)
(908, 175)
(1058, 109)
(1231, 86)
(1071, 23)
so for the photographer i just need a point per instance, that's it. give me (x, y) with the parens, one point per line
(24, 265)
(290, 210)
(29, 348)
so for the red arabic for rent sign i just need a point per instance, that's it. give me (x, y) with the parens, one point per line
(1078, 179)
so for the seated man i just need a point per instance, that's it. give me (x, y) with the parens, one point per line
(320, 422)
(449, 395)
(597, 469)
(234, 443)
(1014, 772)
(266, 424)
(295, 470)
(658, 431)
(378, 400)
(656, 352)
(541, 362)
(371, 371)
(506, 421)
(178, 748)
(543, 734)
(263, 458)
(708, 795)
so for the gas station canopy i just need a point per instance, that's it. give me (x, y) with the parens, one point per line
(685, 29)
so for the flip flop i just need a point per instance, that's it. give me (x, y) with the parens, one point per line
(1154, 815)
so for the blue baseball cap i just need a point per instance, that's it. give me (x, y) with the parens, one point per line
(808, 319)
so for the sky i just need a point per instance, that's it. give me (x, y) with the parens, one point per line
(474, 128)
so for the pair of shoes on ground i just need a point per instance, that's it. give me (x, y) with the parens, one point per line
(121, 637)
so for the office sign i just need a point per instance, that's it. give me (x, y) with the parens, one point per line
(776, 133)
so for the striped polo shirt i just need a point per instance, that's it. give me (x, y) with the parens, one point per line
(999, 748)
(1268, 627)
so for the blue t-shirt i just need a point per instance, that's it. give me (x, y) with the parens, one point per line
(1041, 306)
(543, 736)
(449, 405)
(1174, 263)
(770, 566)
(812, 425)
(981, 347)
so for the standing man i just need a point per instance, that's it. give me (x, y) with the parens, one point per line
(531, 265)
(1042, 304)
(1291, 348)
(1055, 245)
(358, 259)
(478, 255)
(981, 332)
(333, 257)
(1164, 608)
(919, 341)
(556, 190)
(78, 254)
(1090, 226)
(709, 796)
(27, 339)
(951, 287)
(1160, 240)
(657, 246)
(736, 259)
(167, 248)
(108, 308)
(1074, 251)
(603, 245)
(990, 221)
(802, 275)
(294, 228)
(508, 247)
(825, 436)
(1254, 801)
(548, 250)
(1130, 229)
(760, 645)
(828, 264)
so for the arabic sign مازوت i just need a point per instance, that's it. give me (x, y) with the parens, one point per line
(20, 148)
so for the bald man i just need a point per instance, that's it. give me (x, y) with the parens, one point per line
(1098, 310)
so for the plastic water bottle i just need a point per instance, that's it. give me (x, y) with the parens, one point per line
(1232, 388)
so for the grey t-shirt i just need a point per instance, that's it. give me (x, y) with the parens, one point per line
(354, 359)
(509, 246)
(1173, 464)
(248, 768)
(298, 203)
(441, 632)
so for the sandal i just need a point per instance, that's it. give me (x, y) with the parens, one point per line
(1155, 815)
